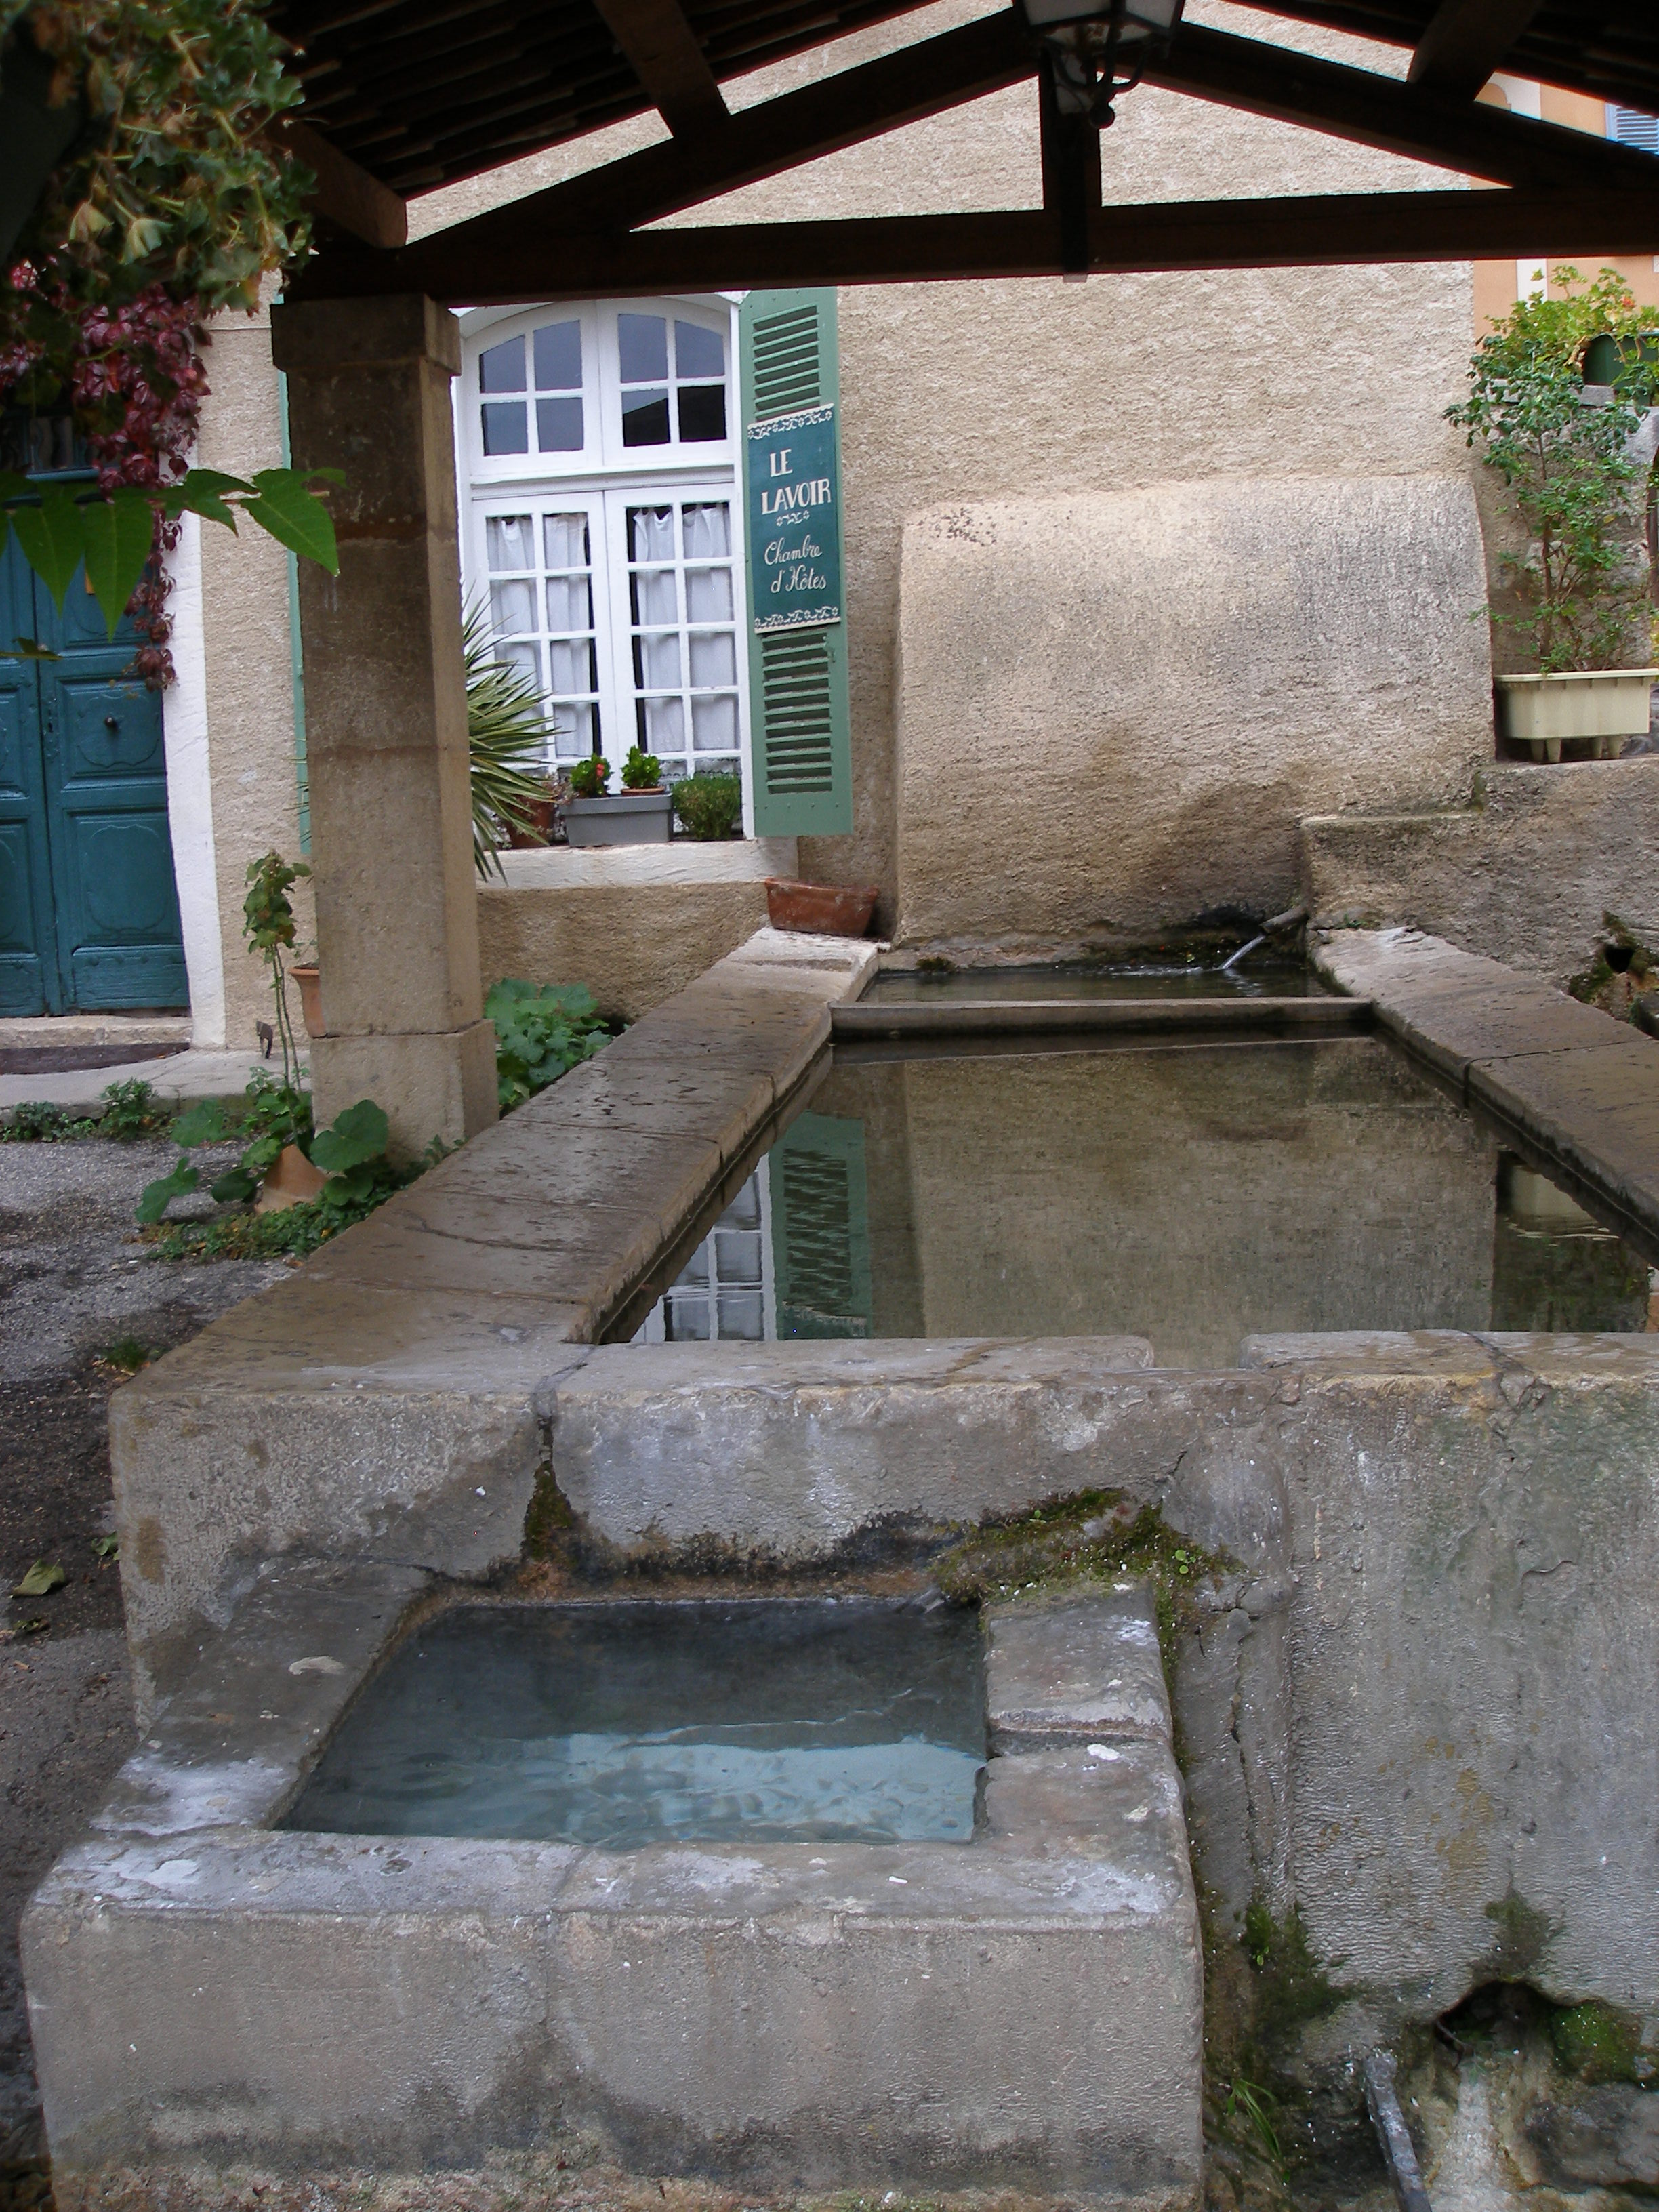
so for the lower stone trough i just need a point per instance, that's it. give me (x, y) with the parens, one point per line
(389, 1885)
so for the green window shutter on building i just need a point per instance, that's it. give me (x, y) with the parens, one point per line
(803, 752)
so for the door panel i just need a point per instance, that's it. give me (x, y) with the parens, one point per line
(28, 977)
(116, 908)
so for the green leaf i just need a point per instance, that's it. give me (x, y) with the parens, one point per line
(53, 538)
(296, 517)
(201, 491)
(107, 1548)
(234, 1187)
(15, 485)
(358, 1134)
(204, 1123)
(40, 1581)
(119, 531)
(156, 1196)
(30, 648)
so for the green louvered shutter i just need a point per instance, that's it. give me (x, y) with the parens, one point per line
(803, 755)
(821, 1228)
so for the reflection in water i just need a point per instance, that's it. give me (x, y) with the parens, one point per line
(1195, 1196)
(619, 1725)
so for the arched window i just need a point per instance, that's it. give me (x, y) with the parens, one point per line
(605, 531)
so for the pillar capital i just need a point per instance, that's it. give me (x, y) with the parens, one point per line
(319, 338)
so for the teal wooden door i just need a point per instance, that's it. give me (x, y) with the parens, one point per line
(27, 959)
(89, 908)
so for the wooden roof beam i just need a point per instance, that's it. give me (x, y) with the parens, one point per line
(346, 194)
(663, 51)
(1465, 41)
(1332, 230)
(926, 78)
(1372, 110)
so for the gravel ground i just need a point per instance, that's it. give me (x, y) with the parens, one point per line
(73, 1282)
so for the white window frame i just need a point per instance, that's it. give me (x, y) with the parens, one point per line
(492, 483)
(653, 1329)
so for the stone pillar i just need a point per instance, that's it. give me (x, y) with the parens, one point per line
(386, 721)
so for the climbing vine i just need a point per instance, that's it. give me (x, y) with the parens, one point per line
(171, 203)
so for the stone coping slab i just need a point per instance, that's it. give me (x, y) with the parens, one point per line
(1023, 2010)
(1068, 1668)
(1580, 1091)
(396, 1371)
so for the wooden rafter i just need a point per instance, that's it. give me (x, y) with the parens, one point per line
(1465, 41)
(921, 80)
(346, 194)
(663, 54)
(1372, 110)
(1327, 230)
(936, 74)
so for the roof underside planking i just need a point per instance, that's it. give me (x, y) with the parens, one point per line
(406, 96)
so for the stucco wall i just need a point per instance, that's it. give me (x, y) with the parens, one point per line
(1124, 701)
(990, 391)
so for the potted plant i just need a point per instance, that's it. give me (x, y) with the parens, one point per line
(638, 815)
(1573, 473)
(707, 806)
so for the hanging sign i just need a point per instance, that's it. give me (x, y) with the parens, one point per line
(794, 521)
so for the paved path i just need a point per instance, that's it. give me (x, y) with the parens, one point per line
(72, 1281)
(181, 1076)
(1578, 1090)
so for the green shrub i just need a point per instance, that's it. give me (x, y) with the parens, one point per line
(541, 1032)
(132, 1110)
(642, 771)
(38, 1121)
(708, 806)
(1566, 469)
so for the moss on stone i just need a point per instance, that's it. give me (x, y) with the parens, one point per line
(1089, 1536)
(1599, 2043)
(548, 1523)
(1522, 1936)
(1292, 1987)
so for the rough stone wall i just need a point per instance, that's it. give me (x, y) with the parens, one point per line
(1129, 699)
(1524, 876)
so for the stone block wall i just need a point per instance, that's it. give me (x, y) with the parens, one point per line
(1523, 875)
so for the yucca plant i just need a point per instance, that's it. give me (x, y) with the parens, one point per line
(507, 735)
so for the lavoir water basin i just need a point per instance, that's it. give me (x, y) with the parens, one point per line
(1191, 1193)
(619, 1725)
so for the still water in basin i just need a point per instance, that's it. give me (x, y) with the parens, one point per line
(1191, 1195)
(619, 1725)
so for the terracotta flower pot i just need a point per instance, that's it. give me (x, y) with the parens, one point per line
(311, 999)
(289, 1181)
(822, 909)
(538, 816)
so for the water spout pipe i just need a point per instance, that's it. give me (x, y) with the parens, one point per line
(1399, 2153)
(1275, 925)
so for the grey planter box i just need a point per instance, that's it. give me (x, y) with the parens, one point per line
(634, 817)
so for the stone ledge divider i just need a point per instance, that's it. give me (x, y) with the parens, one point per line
(1268, 1016)
(387, 1392)
(1579, 1091)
